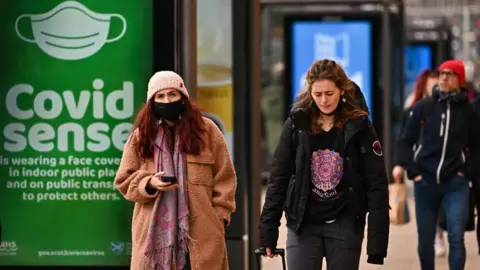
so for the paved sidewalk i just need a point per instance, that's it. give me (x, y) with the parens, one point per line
(402, 252)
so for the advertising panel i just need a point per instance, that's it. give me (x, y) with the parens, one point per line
(417, 59)
(346, 42)
(214, 69)
(74, 74)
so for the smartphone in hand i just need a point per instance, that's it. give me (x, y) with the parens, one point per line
(170, 179)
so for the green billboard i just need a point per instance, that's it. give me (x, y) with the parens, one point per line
(73, 75)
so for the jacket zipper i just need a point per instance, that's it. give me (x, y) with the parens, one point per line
(442, 127)
(416, 153)
(445, 141)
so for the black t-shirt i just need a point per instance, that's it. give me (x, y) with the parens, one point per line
(327, 199)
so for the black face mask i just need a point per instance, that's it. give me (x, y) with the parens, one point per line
(168, 111)
(339, 107)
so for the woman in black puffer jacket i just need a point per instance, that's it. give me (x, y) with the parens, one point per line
(328, 172)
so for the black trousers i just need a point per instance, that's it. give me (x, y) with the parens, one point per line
(339, 241)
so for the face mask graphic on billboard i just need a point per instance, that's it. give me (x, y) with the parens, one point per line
(70, 31)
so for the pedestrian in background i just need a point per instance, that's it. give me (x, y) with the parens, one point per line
(423, 88)
(425, 83)
(441, 166)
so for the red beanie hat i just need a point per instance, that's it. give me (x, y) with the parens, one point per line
(456, 66)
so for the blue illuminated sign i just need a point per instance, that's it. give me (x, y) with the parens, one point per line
(417, 59)
(346, 42)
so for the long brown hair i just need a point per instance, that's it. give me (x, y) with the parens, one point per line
(329, 70)
(189, 129)
(420, 91)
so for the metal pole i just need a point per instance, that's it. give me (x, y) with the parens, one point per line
(254, 182)
(387, 84)
(164, 25)
(246, 82)
(402, 31)
(187, 42)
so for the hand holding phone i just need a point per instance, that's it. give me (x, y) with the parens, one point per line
(170, 179)
(159, 182)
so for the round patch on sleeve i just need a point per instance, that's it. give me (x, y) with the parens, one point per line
(377, 148)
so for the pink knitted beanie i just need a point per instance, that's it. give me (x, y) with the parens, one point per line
(165, 80)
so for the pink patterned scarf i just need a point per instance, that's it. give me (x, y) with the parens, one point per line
(168, 230)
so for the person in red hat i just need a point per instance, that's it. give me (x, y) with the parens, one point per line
(434, 145)
(454, 71)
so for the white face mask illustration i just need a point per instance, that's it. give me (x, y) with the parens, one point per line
(70, 31)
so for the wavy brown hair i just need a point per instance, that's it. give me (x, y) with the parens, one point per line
(189, 128)
(329, 70)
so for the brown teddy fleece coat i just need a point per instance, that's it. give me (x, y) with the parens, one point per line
(211, 185)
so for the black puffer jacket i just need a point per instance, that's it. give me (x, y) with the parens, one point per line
(289, 185)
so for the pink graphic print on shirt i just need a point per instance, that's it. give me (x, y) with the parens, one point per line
(327, 172)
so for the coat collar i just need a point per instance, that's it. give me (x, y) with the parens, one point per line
(455, 96)
(301, 121)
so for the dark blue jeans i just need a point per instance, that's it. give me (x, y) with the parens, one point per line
(428, 197)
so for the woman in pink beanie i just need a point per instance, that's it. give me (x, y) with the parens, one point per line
(177, 169)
